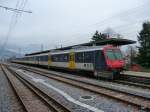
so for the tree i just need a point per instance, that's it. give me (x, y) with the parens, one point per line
(131, 54)
(112, 33)
(99, 36)
(144, 41)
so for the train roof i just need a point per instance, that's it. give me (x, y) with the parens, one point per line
(109, 41)
(78, 49)
(41, 54)
(75, 49)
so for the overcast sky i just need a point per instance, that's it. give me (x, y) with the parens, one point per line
(66, 22)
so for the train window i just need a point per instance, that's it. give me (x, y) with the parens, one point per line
(65, 57)
(114, 54)
(79, 57)
(36, 58)
(40, 58)
(30, 58)
(111, 55)
(88, 57)
(60, 58)
(54, 58)
(118, 54)
(44, 58)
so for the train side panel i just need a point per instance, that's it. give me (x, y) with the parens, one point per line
(95, 60)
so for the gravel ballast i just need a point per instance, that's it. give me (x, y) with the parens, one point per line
(8, 99)
(97, 101)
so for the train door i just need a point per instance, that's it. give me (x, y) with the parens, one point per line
(99, 62)
(72, 60)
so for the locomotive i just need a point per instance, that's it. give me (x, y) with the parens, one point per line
(102, 61)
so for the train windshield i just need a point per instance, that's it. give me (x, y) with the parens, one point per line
(114, 54)
(118, 54)
(111, 55)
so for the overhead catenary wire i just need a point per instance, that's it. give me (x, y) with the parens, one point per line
(22, 6)
(14, 18)
(123, 29)
(11, 25)
(105, 22)
(101, 23)
(122, 14)
(14, 9)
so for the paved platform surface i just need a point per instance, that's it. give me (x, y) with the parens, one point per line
(140, 74)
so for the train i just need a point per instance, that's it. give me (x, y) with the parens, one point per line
(102, 61)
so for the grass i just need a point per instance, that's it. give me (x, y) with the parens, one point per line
(145, 69)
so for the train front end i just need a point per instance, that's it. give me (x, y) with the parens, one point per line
(114, 60)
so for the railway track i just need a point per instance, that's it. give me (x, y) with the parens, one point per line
(135, 79)
(122, 82)
(139, 101)
(130, 83)
(125, 79)
(33, 98)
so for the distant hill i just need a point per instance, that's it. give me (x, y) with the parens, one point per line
(7, 54)
(12, 50)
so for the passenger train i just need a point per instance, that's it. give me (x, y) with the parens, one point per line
(106, 61)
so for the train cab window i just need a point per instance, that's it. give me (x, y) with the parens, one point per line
(114, 54)
(110, 55)
(118, 54)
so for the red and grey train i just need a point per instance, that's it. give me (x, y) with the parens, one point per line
(106, 61)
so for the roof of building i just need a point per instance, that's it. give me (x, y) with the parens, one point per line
(109, 41)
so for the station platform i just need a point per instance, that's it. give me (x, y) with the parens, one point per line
(137, 74)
